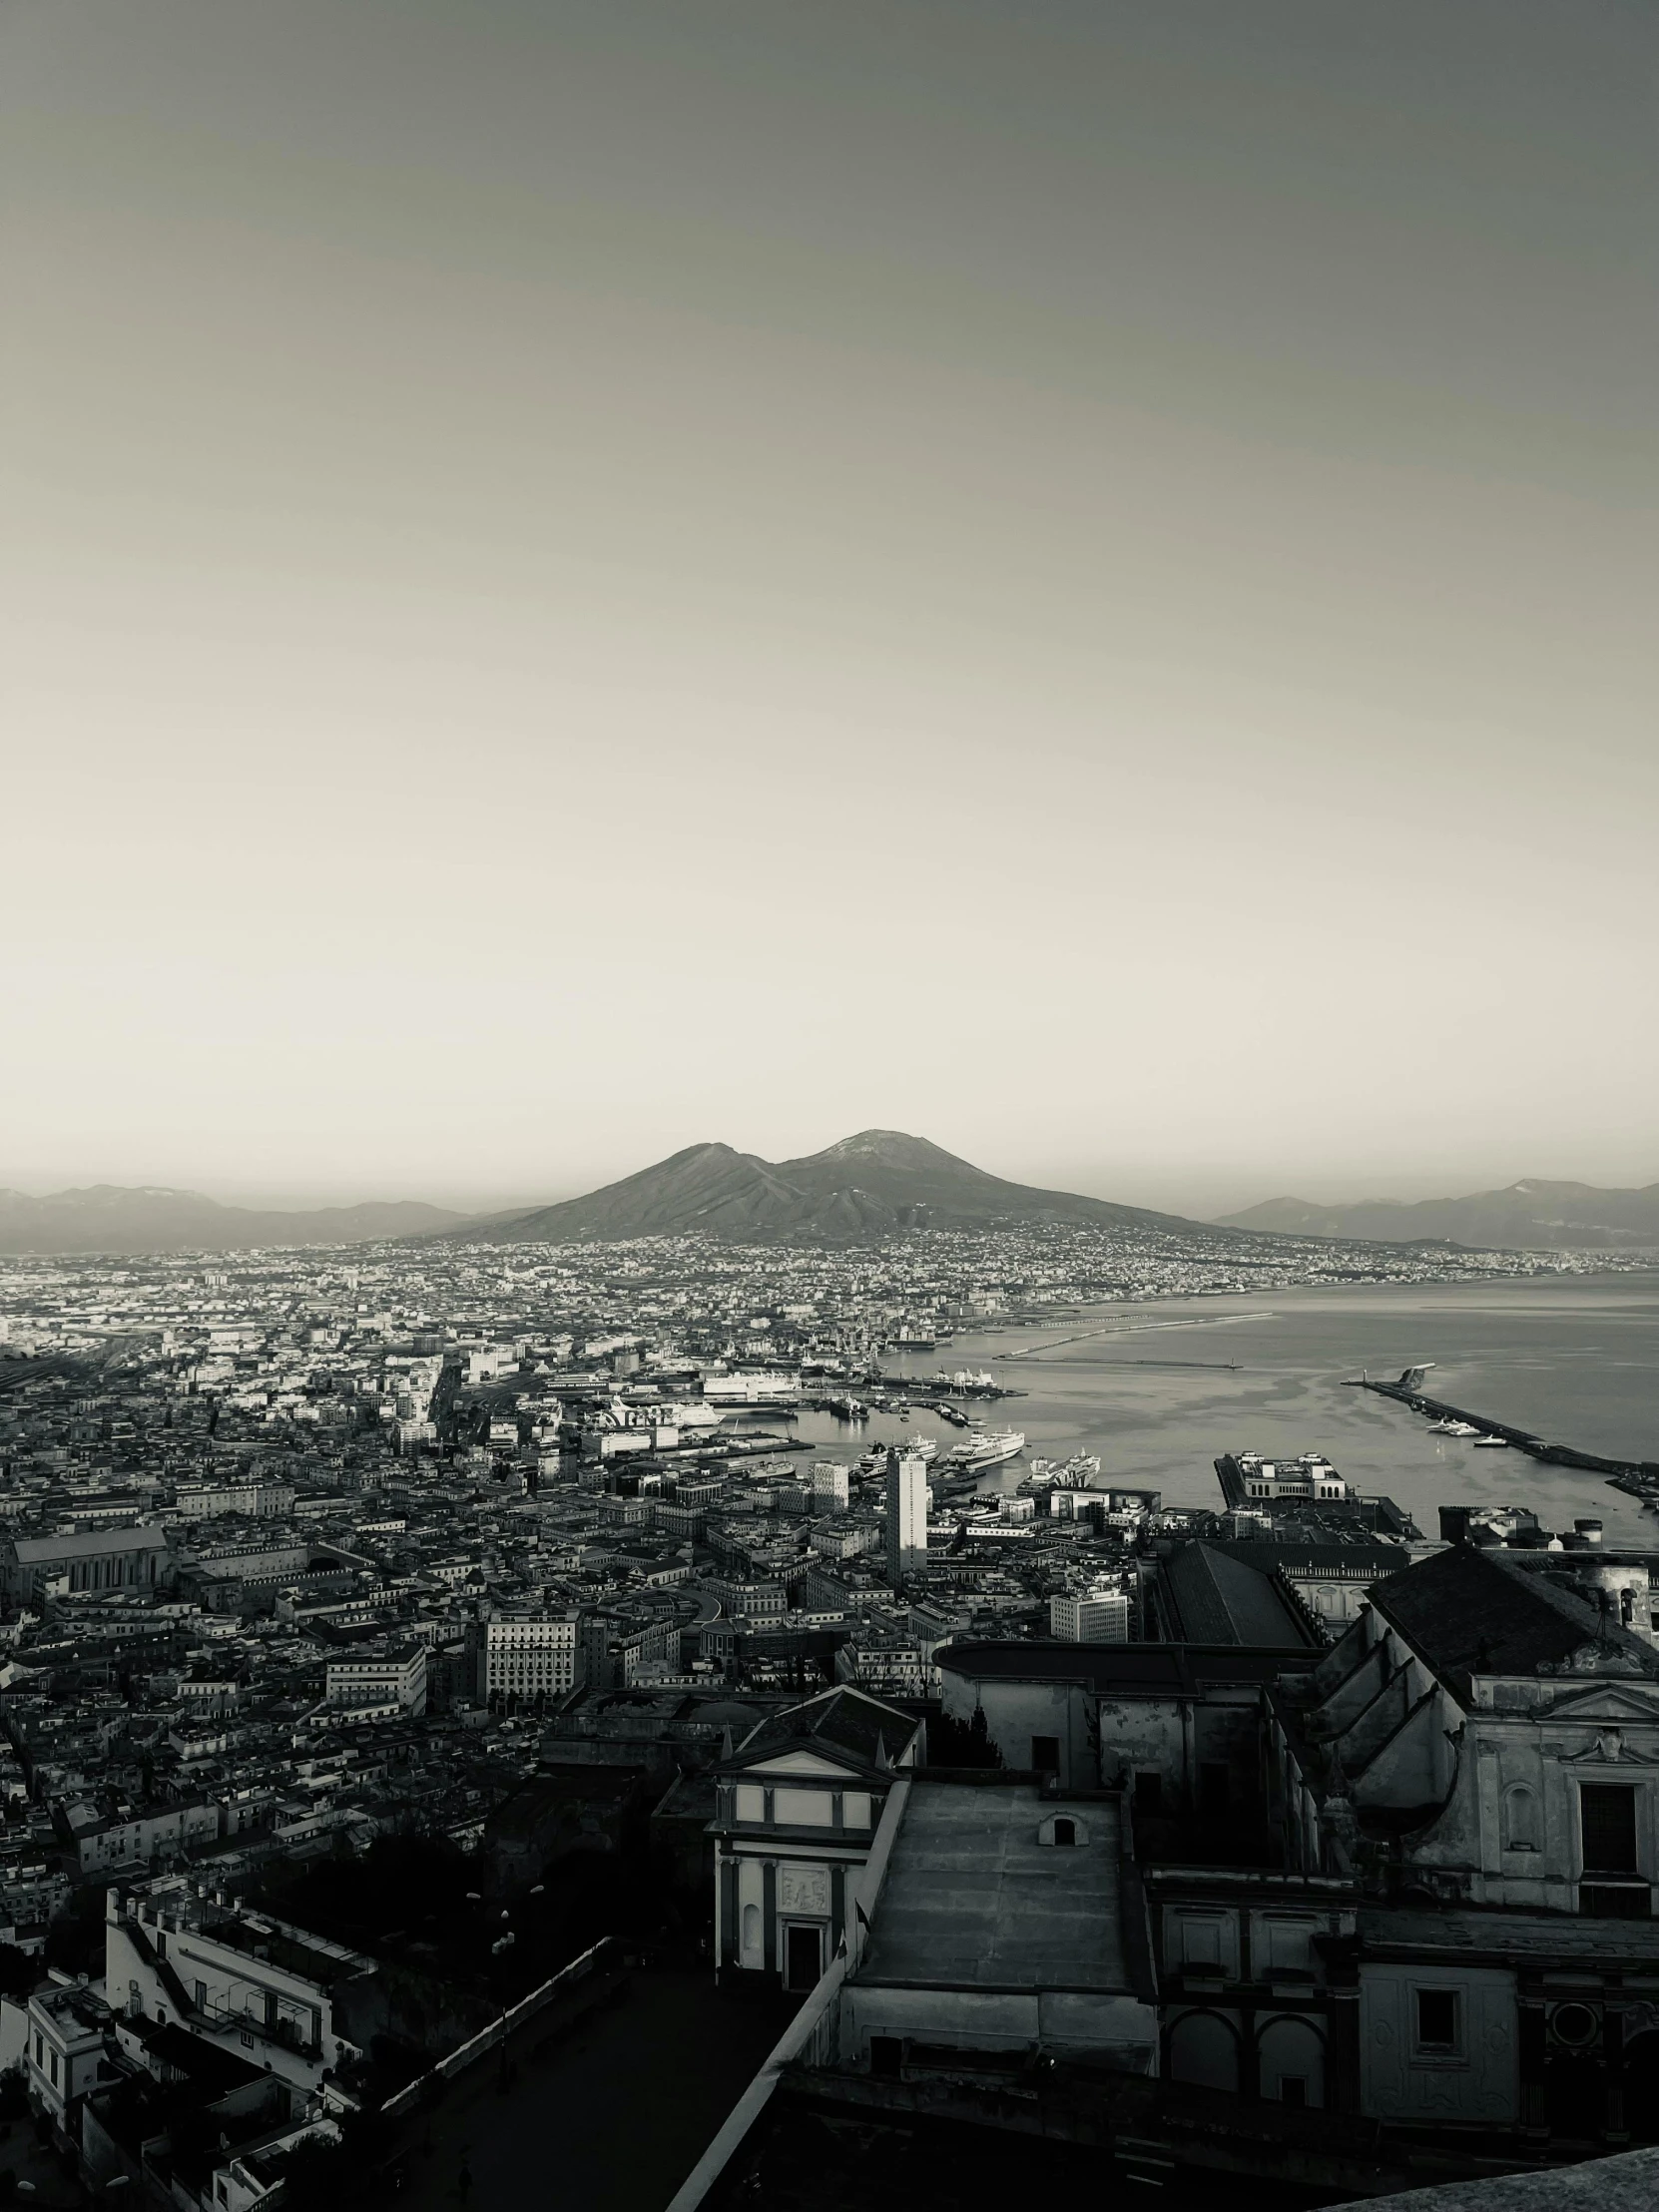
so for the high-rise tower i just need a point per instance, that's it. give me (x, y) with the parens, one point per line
(907, 1516)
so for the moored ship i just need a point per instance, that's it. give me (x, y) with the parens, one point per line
(987, 1447)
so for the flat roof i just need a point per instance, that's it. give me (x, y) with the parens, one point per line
(972, 1900)
(86, 1543)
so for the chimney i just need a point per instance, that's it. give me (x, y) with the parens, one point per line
(1590, 1531)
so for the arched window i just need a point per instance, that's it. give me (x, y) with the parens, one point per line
(1520, 1818)
(1064, 1829)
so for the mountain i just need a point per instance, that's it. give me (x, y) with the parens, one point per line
(108, 1218)
(870, 1185)
(1528, 1217)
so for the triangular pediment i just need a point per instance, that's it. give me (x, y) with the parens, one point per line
(1613, 1701)
(801, 1763)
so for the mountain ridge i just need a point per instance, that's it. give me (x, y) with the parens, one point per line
(876, 1182)
(135, 1220)
(1532, 1215)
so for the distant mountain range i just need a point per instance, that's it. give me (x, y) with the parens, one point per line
(108, 1218)
(1528, 1217)
(872, 1184)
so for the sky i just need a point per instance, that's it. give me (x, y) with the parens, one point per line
(1076, 579)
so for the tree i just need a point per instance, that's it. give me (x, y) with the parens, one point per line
(19, 1973)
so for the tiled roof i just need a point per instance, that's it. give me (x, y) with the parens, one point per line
(1219, 1600)
(845, 1719)
(1468, 1610)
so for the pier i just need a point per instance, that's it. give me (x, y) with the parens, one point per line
(1637, 1477)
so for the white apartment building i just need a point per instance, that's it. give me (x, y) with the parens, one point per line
(260, 1501)
(530, 1657)
(832, 1488)
(267, 1992)
(1090, 1617)
(396, 1677)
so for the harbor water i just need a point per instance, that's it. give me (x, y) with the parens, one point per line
(1158, 1391)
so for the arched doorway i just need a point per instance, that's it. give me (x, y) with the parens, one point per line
(1203, 2050)
(1292, 2059)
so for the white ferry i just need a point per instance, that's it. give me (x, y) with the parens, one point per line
(989, 1447)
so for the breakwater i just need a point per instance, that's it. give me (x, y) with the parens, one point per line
(1638, 1478)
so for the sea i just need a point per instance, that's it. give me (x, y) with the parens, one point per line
(1160, 1390)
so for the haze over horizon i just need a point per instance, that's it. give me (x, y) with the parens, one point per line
(586, 577)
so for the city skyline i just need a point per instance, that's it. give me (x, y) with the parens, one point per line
(580, 583)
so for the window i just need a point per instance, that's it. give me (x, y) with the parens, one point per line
(1213, 1793)
(1438, 2023)
(1065, 1834)
(886, 2057)
(1045, 1755)
(1292, 2089)
(1607, 1813)
(1149, 1792)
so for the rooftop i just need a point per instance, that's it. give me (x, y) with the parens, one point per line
(843, 1720)
(1219, 1599)
(1469, 1612)
(972, 1899)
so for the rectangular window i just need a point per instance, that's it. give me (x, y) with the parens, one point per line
(1149, 1792)
(1608, 1814)
(1045, 1755)
(1438, 2023)
(1213, 1793)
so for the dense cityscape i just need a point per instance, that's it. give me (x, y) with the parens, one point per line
(433, 1582)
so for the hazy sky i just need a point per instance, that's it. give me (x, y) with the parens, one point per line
(1074, 578)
